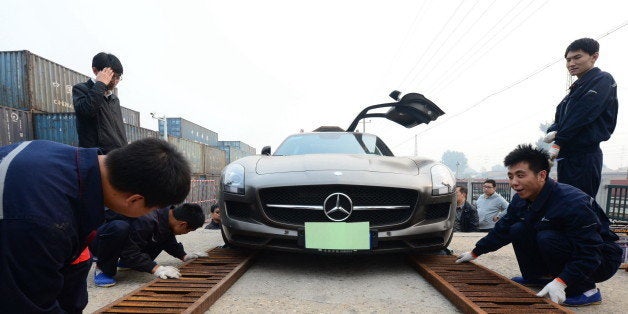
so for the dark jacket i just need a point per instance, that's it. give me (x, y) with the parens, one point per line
(467, 219)
(212, 225)
(98, 118)
(149, 235)
(587, 115)
(52, 204)
(565, 209)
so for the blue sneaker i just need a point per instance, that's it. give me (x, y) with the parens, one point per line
(103, 280)
(531, 282)
(122, 266)
(582, 299)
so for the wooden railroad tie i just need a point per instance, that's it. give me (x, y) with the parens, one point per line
(476, 289)
(203, 281)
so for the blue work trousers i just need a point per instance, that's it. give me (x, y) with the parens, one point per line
(582, 171)
(108, 244)
(545, 253)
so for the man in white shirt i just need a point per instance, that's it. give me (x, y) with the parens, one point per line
(491, 206)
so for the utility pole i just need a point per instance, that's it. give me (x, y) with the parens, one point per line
(165, 121)
(457, 168)
(416, 145)
(364, 122)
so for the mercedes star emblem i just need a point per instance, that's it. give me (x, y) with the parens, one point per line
(338, 207)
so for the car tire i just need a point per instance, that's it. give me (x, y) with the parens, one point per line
(228, 245)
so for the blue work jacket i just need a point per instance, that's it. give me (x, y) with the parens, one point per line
(587, 115)
(149, 235)
(564, 209)
(51, 203)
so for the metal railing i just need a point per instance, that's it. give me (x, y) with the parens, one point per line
(475, 190)
(617, 201)
(202, 192)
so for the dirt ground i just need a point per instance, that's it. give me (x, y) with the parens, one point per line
(294, 283)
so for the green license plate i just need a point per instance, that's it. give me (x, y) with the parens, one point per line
(337, 235)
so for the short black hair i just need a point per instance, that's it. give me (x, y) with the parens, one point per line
(106, 60)
(491, 181)
(537, 158)
(588, 45)
(213, 207)
(190, 213)
(463, 189)
(152, 168)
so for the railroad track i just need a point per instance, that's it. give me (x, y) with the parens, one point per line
(476, 289)
(469, 286)
(202, 282)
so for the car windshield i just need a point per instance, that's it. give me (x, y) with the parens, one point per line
(333, 143)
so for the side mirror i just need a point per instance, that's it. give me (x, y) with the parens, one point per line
(266, 150)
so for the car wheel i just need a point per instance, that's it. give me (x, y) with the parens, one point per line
(228, 245)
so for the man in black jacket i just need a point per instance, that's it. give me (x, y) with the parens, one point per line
(135, 243)
(98, 114)
(467, 219)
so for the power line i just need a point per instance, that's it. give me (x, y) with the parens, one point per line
(473, 50)
(517, 82)
(404, 42)
(431, 43)
(441, 122)
(461, 36)
(482, 55)
(419, 73)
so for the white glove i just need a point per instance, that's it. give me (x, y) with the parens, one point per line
(165, 272)
(555, 289)
(549, 137)
(553, 151)
(466, 257)
(194, 255)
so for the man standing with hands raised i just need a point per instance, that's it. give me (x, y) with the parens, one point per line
(98, 114)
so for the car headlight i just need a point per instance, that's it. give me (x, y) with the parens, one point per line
(443, 181)
(233, 179)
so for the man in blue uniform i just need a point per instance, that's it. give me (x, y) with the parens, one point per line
(137, 242)
(560, 235)
(51, 202)
(584, 118)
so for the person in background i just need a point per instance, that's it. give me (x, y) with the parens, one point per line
(560, 235)
(491, 206)
(214, 217)
(466, 214)
(52, 199)
(98, 115)
(136, 243)
(583, 119)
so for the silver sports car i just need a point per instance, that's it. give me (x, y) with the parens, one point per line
(336, 191)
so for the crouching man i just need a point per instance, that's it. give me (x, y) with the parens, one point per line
(135, 243)
(560, 235)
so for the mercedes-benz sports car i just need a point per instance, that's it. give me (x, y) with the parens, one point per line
(341, 192)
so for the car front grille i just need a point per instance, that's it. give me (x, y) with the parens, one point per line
(437, 211)
(380, 206)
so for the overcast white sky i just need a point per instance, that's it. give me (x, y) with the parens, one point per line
(257, 71)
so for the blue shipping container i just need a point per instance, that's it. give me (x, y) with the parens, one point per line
(237, 144)
(181, 128)
(28, 81)
(58, 127)
(61, 127)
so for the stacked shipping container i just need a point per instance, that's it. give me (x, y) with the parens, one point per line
(179, 127)
(16, 126)
(36, 103)
(236, 149)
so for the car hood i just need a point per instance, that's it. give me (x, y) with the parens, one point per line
(333, 162)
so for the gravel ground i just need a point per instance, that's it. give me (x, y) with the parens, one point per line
(288, 283)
